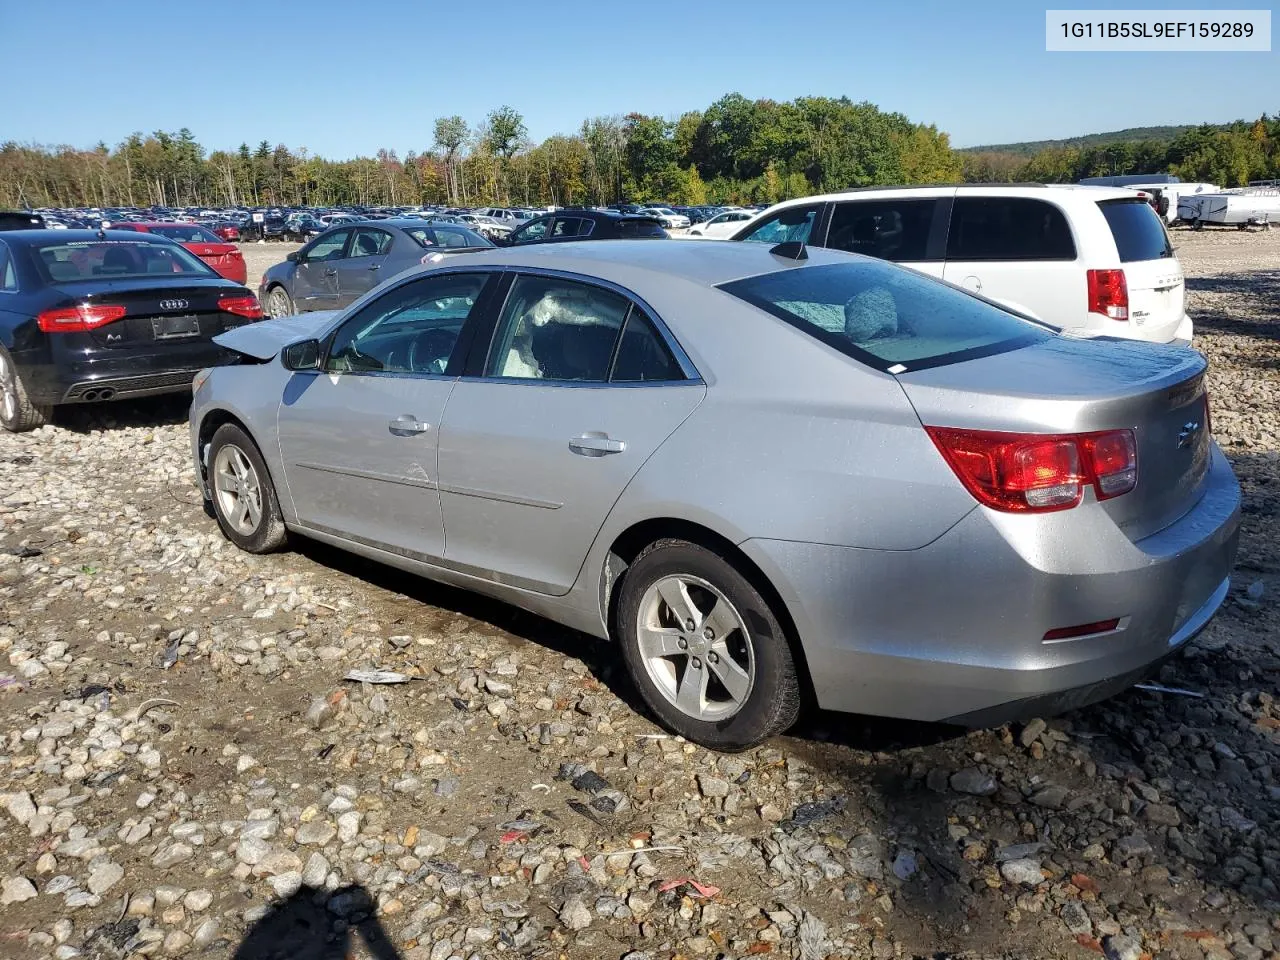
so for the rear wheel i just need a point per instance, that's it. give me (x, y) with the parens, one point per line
(17, 413)
(244, 499)
(705, 649)
(279, 303)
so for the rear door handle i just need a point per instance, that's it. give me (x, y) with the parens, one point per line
(406, 425)
(331, 273)
(376, 266)
(596, 445)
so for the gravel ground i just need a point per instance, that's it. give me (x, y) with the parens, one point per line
(184, 771)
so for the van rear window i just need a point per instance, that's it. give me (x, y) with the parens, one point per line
(1137, 230)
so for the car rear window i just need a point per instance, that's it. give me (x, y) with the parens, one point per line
(439, 236)
(1137, 230)
(630, 229)
(115, 260)
(885, 316)
(186, 234)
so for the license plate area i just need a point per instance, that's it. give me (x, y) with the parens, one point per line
(171, 328)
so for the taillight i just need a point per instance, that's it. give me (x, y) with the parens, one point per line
(1109, 294)
(87, 316)
(1038, 473)
(242, 306)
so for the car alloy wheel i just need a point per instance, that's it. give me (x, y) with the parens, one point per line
(238, 489)
(278, 303)
(8, 390)
(695, 647)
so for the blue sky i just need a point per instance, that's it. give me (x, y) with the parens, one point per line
(342, 77)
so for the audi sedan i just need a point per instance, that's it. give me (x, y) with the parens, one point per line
(346, 262)
(759, 471)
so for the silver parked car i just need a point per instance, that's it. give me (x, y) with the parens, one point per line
(755, 469)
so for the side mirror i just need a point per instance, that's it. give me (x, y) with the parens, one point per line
(292, 256)
(304, 355)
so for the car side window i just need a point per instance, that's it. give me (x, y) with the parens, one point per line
(328, 247)
(8, 275)
(554, 329)
(886, 229)
(585, 227)
(643, 356)
(566, 227)
(1008, 228)
(786, 226)
(533, 230)
(370, 243)
(413, 328)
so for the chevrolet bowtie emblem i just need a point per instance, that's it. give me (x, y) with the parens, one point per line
(1188, 434)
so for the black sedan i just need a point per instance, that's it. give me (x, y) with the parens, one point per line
(88, 316)
(582, 224)
(344, 263)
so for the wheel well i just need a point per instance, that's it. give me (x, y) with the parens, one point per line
(209, 426)
(627, 546)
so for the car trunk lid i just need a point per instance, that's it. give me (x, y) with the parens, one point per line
(159, 311)
(1065, 385)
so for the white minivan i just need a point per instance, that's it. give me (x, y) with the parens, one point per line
(1096, 261)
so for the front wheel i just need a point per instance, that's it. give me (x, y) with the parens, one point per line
(705, 649)
(279, 303)
(17, 413)
(244, 499)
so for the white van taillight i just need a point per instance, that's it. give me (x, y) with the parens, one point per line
(1109, 294)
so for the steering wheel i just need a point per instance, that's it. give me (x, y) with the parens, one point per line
(429, 352)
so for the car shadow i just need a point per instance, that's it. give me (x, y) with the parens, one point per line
(162, 411)
(315, 925)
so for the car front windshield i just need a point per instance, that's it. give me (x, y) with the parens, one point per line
(116, 260)
(886, 316)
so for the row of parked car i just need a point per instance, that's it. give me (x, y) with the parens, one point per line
(771, 442)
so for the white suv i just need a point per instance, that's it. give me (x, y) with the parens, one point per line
(1096, 261)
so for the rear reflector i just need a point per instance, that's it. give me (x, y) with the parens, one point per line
(1109, 294)
(1035, 472)
(1083, 630)
(247, 306)
(87, 316)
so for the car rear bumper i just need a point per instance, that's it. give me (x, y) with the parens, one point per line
(85, 375)
(954, 631)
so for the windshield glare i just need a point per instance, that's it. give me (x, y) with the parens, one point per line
(885, 316)
(116, 259)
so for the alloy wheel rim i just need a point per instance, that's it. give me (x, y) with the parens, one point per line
(8, 390)
(696, 648)
(238, 490)
(278, 303)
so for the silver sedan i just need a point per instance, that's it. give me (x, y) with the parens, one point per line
(759, 471)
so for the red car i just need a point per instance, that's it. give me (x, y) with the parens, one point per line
(223, 257)
(227, 230)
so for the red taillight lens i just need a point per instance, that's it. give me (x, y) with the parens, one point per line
(1037, 473)
(1083, 630)
(87, 316)
(242, 306)
(1109, 294)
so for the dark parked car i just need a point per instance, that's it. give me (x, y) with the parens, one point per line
(20, 220)
(301, 227)
(271, 228)
(347, 262)
(88, 316)
(571, 224)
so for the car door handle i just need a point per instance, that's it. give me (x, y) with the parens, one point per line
(331, 273)
(376, 266)
(406, 425)
(596, 445)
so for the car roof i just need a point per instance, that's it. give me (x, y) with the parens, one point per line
(1011, 189)
(35, 237)
(705, 262)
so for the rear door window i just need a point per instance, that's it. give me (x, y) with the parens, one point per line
(889, 318)
(643, 356)
(566, 227)
(1008, 228)
(886, 229)
(633, 229)
(786, 226)
(1137, 230)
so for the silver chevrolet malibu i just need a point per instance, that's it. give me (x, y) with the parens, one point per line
(758, 471)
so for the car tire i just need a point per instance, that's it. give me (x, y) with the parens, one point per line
(244, 498)
(17, 413)
(731, 647)
(278, 297)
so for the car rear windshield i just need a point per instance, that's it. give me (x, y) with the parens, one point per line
(441, 236)
(1137, 230)
(116, 260)
(640, 228)
(186, 234)
(886, 316)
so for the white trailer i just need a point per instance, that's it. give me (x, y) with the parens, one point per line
(1242, 208)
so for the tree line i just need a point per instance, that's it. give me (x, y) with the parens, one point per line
(1229, 155)
(737, 150)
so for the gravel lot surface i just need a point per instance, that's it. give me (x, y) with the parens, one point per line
(179, 751)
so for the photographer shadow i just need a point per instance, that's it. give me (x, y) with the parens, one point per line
(314, 925)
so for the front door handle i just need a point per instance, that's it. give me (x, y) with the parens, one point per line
(331, 273)
(376, 266)
(596, 444)
(406, 425)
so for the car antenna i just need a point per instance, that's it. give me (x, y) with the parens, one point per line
(791, 249)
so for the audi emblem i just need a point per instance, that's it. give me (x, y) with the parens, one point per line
(173, 304)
